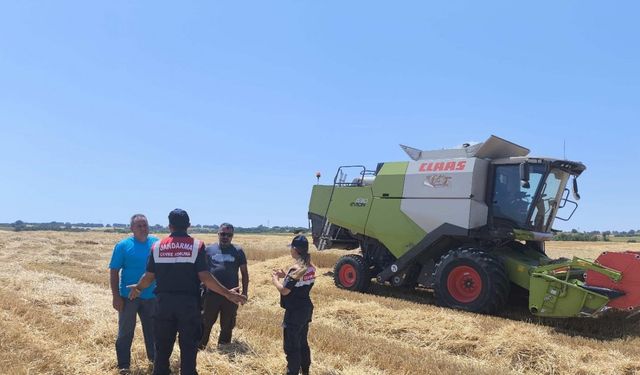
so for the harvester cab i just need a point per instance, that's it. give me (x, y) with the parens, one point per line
(468, 223)
(527, 193)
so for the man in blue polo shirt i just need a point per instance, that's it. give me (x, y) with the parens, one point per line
(128, 264)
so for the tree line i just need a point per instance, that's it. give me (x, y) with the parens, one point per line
(575, 235)
(20, 225)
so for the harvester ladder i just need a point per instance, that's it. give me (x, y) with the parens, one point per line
(326, 226)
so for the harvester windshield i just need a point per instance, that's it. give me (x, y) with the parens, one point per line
(528, 207)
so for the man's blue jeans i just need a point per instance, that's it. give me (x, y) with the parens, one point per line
(146, 309)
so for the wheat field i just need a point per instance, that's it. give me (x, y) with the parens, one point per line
(56, 318)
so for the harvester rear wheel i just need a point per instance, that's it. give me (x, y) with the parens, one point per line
(351, 273)
(471, 279)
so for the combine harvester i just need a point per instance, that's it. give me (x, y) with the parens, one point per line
(468, 223)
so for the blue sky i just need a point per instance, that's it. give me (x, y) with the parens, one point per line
(227, 109)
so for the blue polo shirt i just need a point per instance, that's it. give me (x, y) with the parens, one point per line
(131, 256)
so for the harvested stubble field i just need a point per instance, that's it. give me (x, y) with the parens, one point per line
(56, 318)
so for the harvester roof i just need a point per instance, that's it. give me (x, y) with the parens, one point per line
(492, 148)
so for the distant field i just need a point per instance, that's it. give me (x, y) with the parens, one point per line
(56, 318)
(625, 239)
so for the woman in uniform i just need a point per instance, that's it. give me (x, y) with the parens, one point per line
(294, 287)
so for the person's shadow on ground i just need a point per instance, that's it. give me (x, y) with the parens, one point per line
(234, 348)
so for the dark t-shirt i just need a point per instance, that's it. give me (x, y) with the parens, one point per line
(224, 263)
(176, 261)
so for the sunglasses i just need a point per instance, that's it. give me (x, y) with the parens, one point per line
(222, 234)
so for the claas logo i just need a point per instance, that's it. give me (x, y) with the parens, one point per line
(437, 166)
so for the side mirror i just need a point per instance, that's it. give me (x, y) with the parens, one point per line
(524, 175)
(575, 189)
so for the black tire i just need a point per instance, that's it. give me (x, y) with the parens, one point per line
(351, 273)
(471, 279)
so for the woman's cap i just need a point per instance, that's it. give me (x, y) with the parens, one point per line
(300, 243)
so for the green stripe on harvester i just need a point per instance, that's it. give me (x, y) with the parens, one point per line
(387, 223)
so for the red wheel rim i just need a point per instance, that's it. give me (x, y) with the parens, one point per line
(347, 275)
(464, 284)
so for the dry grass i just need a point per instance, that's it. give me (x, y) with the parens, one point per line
(56, 318)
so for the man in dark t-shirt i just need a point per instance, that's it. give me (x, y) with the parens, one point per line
(224, 260)
(178, 265)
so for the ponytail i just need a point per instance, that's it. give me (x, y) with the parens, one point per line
(305, 259)
(304, 262)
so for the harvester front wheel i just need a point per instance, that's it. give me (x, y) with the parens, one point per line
(471, 279)
(351, 273)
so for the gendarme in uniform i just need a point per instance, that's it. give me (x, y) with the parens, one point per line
(298, 310)
(176, 261)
